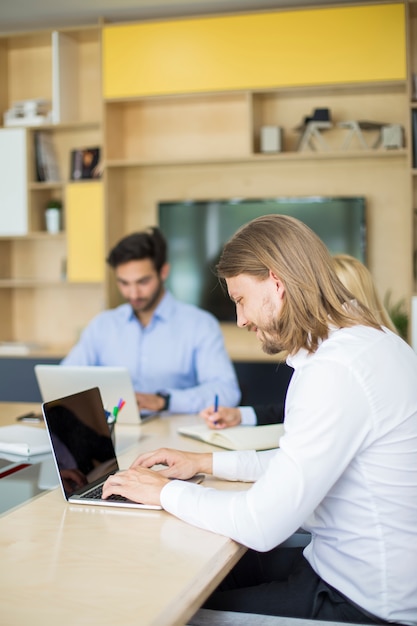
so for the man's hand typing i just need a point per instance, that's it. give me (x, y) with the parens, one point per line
(178, 464)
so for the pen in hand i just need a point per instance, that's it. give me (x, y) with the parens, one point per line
(216, 406)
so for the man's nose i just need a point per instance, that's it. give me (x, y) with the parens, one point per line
(133, 291)
(241, 320)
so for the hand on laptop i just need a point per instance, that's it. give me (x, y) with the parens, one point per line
(178, 464)
(150, 402)
(142, 484)
(137, 484)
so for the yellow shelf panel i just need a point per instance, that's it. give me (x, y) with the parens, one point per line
(85, 232)
(255, 51)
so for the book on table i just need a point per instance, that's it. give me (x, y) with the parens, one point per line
(237, 437)
(24, 441)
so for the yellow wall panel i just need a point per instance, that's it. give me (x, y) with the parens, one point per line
(85, 232)
(255, 51)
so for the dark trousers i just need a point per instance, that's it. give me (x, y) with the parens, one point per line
(281, 582)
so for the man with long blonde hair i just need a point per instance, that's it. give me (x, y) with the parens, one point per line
(346, 468)
(356, 277)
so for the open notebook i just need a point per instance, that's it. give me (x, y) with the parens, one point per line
(237, 437)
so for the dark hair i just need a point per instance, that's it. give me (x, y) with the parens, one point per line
(148, 244)
(314, 295)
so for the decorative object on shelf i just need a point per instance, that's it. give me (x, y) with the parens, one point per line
(356, 128)
(85, 163)
(311, 127)
(47, 169)
(271, 139)
(53, 213)
(28, 113)
(392, 136)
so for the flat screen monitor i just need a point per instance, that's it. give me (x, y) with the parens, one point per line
(197, 231)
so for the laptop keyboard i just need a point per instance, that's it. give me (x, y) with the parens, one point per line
(96, 494)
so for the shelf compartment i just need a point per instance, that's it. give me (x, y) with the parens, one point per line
(179, 128)
(27, 60)
(34, 259)
(51, 314)
(62, 67)
(64, 138)
(385, 104)
(76, 74)
(38, 200)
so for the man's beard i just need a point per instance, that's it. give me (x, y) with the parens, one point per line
(154, 298)
(269, 339)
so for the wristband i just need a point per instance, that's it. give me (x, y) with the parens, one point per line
(166, 397)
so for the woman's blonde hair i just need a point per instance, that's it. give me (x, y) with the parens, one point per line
(358, 280)
(314, 295)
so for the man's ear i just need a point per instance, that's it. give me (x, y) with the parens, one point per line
(279, 285)
(164, 273)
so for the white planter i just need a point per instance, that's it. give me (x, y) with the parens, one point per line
(53, 220)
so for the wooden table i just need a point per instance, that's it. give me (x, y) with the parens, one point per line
(71, 565)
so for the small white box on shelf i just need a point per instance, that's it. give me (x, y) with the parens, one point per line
(392, 136)
(271, 139)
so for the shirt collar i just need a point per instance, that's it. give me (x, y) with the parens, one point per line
(163, 310)
(299, 358)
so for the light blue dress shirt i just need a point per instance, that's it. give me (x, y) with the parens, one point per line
(181, 352)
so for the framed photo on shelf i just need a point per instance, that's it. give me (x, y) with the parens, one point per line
(85, 163)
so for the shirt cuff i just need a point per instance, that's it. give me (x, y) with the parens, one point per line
(248, 416)
(171, 495)
(225, 465)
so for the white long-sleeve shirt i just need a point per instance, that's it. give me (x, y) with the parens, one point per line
(346, 470)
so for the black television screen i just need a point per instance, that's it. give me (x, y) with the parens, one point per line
(196, 232)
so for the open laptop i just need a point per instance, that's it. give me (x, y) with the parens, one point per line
(83, 450)
(56, 381)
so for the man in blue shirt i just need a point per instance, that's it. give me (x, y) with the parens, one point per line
(174, 351)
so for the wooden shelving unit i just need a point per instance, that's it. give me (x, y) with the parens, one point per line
(155, 165)
(160, 146)
(38, 303)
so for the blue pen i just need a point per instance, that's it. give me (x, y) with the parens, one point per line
(216, 406)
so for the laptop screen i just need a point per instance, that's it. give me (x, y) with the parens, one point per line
(57, 381)
(80, 439)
